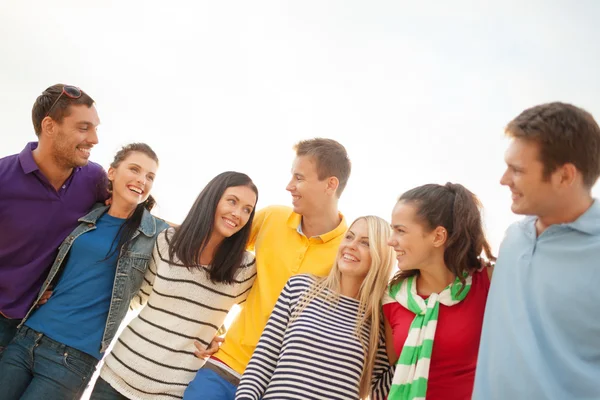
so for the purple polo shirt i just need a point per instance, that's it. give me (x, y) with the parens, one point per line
(34, 220)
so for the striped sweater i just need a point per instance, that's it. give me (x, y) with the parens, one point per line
(153, 358)
(316, 356)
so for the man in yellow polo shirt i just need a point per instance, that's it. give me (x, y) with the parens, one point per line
(287, 242)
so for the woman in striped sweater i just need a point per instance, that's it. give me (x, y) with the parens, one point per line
(324, 338)
(199, 271)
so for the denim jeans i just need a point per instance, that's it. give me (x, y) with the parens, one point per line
(8, 329)
(35, 367)
(209, 385)
(103, 391)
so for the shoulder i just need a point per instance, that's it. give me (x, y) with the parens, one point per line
(249, 260)
(247, 269)
(94, 170)
(482, 277)
(301, 281)
(161, 224)
(518, 227)
(9, 160)
(8, 166)
(164, 237)
(94, 176)
(274, 212)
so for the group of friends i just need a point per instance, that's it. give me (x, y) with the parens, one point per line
(320, 317)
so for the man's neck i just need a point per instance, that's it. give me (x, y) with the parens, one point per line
(53, 171)
(569, 212)
(319, 224)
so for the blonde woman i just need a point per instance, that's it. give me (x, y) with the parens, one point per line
(324, 338)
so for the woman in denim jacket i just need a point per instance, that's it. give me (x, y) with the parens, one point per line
(98, 271)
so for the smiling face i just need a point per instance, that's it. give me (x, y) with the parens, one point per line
(413, 244)
(74, 137)
(532, 194)
(233, 210)
(132, 179)
(354, 254)
(308, 192)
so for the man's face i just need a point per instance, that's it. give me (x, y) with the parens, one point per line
(309, 194)
(524, 176)
(75, 136)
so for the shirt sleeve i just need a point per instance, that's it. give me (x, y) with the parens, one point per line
(383, 372)
(259, 219)
(262, 365)
(247, 278)
(102, 193)
(141, 298)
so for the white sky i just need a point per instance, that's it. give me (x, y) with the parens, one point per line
(417, 93)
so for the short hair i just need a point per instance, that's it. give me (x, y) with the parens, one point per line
(331, 159)
(61, 108)
(565, 134)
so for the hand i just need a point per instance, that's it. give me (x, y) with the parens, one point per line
(44, 297)
(212, 348)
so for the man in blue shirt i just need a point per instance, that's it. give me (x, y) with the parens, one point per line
(541, 332)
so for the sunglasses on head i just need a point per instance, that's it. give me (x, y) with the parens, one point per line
(72, 92)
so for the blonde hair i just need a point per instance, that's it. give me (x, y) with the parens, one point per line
(369, 295)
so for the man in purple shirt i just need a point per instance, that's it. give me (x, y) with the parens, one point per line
(44, 190)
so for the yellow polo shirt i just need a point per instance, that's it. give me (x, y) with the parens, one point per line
(281, 252)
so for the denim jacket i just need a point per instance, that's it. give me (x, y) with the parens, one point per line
(131, 267)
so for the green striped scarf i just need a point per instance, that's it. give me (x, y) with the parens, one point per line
(412, 368)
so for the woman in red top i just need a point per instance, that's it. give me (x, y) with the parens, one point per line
(439, 294)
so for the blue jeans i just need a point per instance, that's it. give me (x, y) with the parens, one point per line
(8, 329)
(36, 367)
(103, 391)
(208, 385)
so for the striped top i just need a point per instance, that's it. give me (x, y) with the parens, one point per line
(316, 356)
(153, 358)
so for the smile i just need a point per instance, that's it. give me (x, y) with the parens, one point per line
(135, 189)
(349, 257)
(230, 223)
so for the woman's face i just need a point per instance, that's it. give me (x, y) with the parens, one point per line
(410, 240)
(354, 255)
(233, 210)
(132, 179)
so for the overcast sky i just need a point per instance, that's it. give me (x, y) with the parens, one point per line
(418, 92)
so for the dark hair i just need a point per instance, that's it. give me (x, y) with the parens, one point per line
(331, 159)
(61, 108)
(459, 211)
(132, 223)
(565, 134)
(191, 238)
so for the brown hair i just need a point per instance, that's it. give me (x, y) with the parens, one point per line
(130, 226)
(331, 158)
(565, 134)
(61, 108)
(459, 211)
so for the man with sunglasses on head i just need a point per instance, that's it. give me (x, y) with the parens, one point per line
(44, 190)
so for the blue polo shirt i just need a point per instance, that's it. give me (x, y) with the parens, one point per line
(541, 331)
(34, 219)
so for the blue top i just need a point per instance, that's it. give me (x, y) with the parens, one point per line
(34, 220)
(76, 312)
(541, 331)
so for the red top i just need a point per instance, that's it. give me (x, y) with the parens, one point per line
(456, 342)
